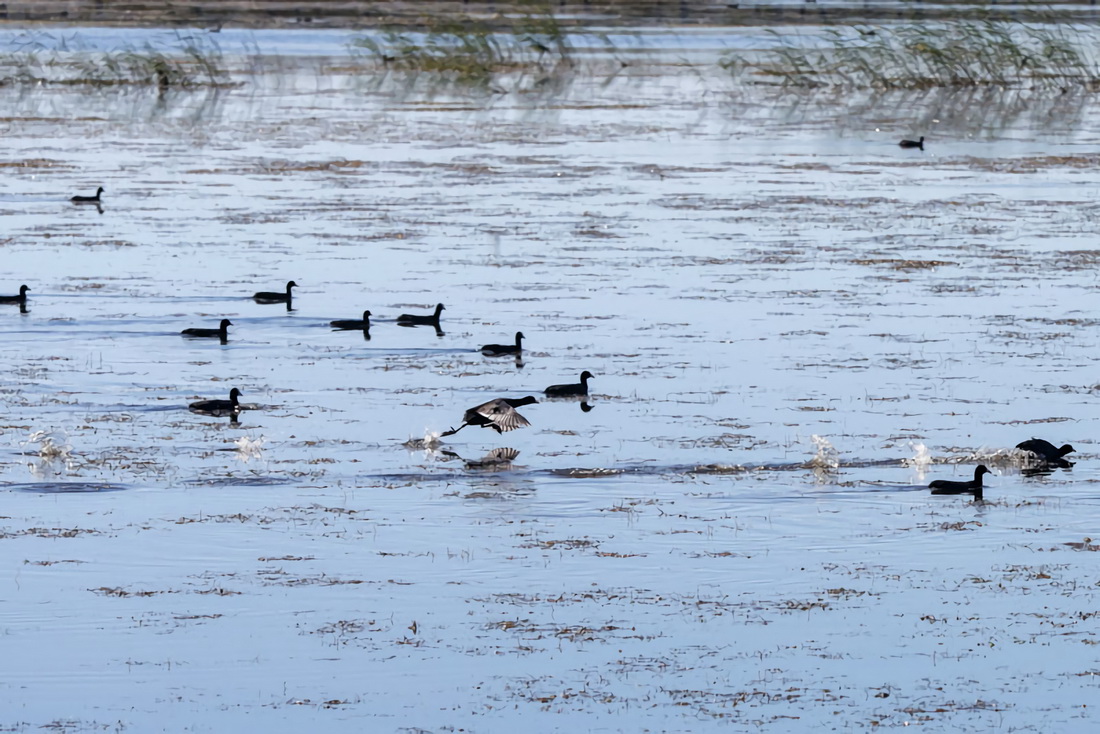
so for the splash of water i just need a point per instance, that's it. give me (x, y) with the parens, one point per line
(250, 448)
(826, 460)
(921, 460)
(430, 442)
(54, 453)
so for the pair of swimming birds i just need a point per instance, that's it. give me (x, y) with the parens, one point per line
(1045, 454)
(501, 414)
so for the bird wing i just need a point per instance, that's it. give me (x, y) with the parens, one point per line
(502, 415)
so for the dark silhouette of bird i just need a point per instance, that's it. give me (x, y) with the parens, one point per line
(495, 350)
(229, 407)
(499, 414)
(21, 298)
(222, 332)
(1046, 452)
(913, 143)
(347, 324)
(943, 486)
(409, 319)
(88, 199)
(273, 297)
(577, 390)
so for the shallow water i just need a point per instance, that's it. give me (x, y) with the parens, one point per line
(742, 269)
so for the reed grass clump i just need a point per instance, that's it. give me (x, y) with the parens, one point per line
(949, 54)
(190, 62)
(473, 50)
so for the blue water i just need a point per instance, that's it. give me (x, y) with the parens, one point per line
(742, 270)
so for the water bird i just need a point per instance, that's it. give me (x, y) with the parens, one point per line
(500, 458)
(943, 486)
(408, 319)
(577, 390)
(88, 199)
(1046, 452)
(913, 143)
(356, 324)
(20, 299)
(222, 332)
(218, 407)
(494, 350)
(499, 414)
(272, 297)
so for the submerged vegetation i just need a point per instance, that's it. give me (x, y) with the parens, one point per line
(950, 54)
(193, 60)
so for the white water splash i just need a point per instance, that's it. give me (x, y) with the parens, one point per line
(250, 448)
(826, 459)
(429, 443)
(921, 460)
(54, 453)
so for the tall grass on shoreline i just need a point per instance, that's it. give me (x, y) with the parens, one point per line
(950, 54)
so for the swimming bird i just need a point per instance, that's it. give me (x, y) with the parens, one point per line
(222, 332)
(21, 298)
(943, 486)
(88, 199)
(270, 297)
(218, 407)
(913, 143)
(408, 319)
(499, 414)
(1046, 452)
(570, 391)
(494, 350)
(363, 325)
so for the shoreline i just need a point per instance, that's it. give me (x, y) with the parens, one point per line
(356, 14)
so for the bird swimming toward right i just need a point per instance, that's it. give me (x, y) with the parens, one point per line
(499, 414)
(943, 486)
(496, 350)
(88, 199)
(577, 390)
(21, 298)
(913, 143)
(273, 297)
(409, 319)
(1046, 453)
(222, 332)
(348, 324)
(218, 407)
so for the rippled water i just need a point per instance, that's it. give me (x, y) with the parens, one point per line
(781, 307)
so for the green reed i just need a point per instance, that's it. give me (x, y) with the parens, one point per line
(950, 54)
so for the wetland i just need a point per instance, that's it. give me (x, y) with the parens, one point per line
(793, 326)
